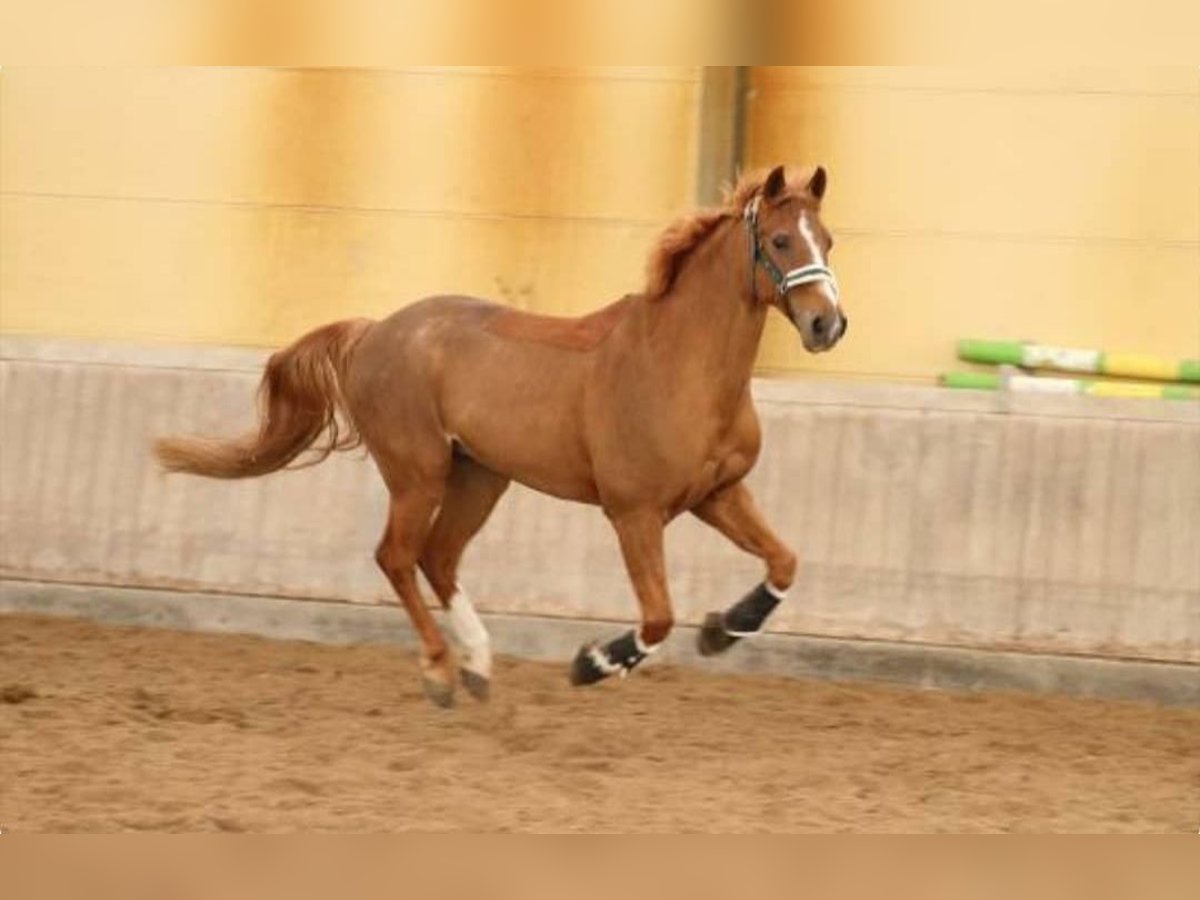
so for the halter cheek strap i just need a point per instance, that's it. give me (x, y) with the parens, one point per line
(783, 281)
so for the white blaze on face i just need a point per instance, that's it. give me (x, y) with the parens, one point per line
(804, 226)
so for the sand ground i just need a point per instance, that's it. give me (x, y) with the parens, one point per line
(108, 729)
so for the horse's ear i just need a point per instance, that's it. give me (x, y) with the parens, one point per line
(816, 184)
(775, 184)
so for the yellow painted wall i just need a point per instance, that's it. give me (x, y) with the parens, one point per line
(1059, 206)
(245, 206)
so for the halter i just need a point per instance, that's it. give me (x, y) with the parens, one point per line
(793, 278)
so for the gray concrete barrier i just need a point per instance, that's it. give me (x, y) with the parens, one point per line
(1067, 525)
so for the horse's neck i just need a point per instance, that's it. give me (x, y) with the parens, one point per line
(706, 329)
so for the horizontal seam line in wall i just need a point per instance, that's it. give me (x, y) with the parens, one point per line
(828, 376)
(1046, 93)
(333, 208)
(14, 577)
(614, 221)
(1014, 238)
(1032, 414)
(8, 575)
(228, 369)
(256, 369)
(490, 72)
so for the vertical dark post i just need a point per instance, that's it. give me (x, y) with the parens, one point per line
(722, 122)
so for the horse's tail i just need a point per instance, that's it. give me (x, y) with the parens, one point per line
(300, 400)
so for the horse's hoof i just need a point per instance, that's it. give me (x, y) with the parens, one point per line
(585, 669)
(478, 686)
(441, 693)
(438, 680)
(713, 638)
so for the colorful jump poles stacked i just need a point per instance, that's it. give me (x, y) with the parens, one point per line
(1068, 359)
(990, 381)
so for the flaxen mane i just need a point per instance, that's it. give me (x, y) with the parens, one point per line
(683, 236)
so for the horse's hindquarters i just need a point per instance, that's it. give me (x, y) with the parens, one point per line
(436, 375)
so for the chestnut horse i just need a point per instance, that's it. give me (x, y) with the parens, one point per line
(642, 408)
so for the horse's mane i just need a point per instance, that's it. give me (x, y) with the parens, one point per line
(683, 236)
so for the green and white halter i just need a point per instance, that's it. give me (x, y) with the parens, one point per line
(783, 281)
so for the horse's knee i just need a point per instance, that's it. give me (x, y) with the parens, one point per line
(781, 569)
(656, 628)
(392, 560)
(383, 559)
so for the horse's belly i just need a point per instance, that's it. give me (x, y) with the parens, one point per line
(550, 469)
(538, 444)
(515, 407)
(581, 490)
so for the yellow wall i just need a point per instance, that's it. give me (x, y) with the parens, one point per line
(244, 206)
(1059, 206)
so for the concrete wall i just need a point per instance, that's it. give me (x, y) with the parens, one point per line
(1061, 524)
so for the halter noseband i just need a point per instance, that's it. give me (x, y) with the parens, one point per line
(793, 278)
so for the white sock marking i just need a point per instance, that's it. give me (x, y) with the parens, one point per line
(471, 634)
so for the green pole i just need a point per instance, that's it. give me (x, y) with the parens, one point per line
(1073, 359)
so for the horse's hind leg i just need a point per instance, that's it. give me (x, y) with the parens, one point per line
(471, 494)
(408, 524)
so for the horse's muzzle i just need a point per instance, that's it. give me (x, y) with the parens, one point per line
(821, 332)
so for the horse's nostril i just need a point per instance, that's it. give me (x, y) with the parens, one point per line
(818, 326)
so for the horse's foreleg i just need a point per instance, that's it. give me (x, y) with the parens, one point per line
(641, 537)
(733, 513)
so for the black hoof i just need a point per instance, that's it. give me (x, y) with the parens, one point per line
(477, 685)
(439, 692)
(585, 669)
(713, 638)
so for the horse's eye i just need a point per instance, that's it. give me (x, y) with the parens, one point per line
(780, 242)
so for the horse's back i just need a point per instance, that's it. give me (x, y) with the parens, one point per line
(568, 333)
(440, 310)
(460, 313)
(404, 349)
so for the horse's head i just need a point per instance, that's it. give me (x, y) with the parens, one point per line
(791, 245)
